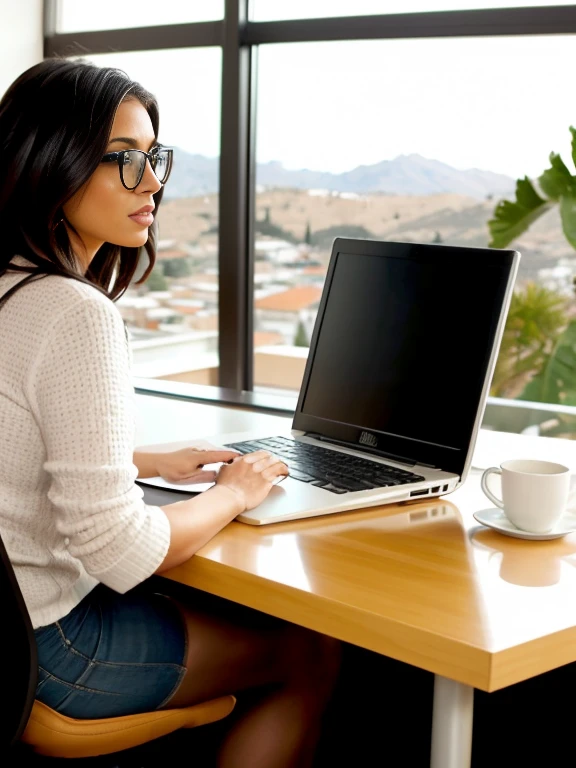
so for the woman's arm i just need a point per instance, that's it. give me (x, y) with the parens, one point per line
(146, 464)
(194, 522)
(81, 394)
(241, 485)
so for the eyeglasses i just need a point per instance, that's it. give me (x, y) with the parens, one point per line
(132, 164)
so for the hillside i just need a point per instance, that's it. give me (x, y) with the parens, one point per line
(456, 219)
(188, 219)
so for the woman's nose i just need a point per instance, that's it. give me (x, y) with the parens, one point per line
(149, 182)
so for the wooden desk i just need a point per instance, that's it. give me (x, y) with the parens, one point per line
(419, 582)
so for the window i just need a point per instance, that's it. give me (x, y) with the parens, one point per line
(276, 10)
(74, 16)
(173, 317)
(405, 140)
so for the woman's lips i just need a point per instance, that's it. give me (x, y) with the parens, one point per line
(143, 219)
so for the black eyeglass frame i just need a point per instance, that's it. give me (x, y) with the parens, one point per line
(118, 157)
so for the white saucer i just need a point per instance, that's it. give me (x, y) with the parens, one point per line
(496, 519)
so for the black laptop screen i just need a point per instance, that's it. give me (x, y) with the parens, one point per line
(403, 343)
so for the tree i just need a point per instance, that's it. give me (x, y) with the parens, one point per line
(156, 280)
(324, 238)
(308, 234)
(177, 267)
(273, 230)
(301, 338)
(437, 238)
(536, 320)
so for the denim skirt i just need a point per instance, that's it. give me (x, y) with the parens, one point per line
(112, 655)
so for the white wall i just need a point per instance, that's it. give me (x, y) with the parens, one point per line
(21, 38)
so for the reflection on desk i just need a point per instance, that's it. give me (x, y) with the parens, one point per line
(526, 563)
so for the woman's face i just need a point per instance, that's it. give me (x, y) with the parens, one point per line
(103, 210)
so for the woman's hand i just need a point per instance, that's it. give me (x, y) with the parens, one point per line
(240, 485)
(252, 476)
(183, 466)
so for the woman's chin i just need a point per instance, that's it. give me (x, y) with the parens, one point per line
(134, 240)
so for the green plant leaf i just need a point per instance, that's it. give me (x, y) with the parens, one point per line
(511, 219)
(556, 382)
(568, 216)
(573, 132)
(557, 180)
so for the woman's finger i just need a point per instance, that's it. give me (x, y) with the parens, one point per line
(266, 461)
(217, 457)
(252, 458)
(276, 472)
(202, 476)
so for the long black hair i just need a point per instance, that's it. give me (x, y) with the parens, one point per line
(55, 123)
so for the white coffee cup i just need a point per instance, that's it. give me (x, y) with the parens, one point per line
(534, 492)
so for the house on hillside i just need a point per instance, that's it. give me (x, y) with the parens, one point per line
(282, 312)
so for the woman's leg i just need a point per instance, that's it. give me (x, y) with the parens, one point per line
(290, 673)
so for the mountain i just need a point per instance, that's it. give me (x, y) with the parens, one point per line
(192, 175)
(195, 175)
(416, 175)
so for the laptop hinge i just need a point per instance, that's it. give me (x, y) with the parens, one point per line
(373, 451)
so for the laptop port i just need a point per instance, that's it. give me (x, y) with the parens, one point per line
(435, 489)
(423, 492)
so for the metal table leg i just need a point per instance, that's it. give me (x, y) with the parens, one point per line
(452, 715)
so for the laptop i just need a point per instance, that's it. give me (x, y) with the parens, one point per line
(401, 358)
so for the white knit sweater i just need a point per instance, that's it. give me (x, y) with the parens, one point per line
(71, 515)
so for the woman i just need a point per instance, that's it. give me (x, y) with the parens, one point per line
(81, 178)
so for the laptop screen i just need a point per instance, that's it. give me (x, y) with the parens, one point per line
(402, 347)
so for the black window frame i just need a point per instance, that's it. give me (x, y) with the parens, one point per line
(239, 40)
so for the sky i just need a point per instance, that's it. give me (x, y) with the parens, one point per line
(499, 104)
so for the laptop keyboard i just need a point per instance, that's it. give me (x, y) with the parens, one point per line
(332, 470)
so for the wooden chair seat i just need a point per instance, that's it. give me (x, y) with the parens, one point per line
(55, 735)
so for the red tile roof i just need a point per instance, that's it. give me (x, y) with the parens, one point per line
(292, 300)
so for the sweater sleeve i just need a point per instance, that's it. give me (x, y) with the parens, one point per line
(82, 398)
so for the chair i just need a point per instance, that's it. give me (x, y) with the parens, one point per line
(49, 733)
